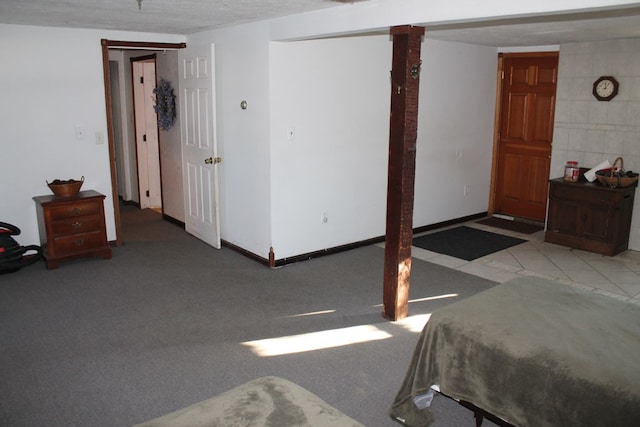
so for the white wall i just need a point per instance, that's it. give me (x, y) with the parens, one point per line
(336, 94)
(52, 81)
(590, 131)
(273, 195)
(242, 73)
(455, 131)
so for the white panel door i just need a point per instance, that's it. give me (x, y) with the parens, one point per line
(146, 126)
(152, 140)
(199, 161)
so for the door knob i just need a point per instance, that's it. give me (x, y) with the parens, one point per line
(214, 160)
(208, 161)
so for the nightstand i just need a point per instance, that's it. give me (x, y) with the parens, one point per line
(72, 227)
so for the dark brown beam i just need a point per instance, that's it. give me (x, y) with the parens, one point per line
(142, 45)
(405, 79)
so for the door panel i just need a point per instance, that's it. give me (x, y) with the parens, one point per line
(542, 125)
(152, 138)
(146, 131)
(198, 144)
(516, 114)
(526, 133)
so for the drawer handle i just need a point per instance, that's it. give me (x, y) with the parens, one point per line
(79, 242)
(77, 225)
(76, 211)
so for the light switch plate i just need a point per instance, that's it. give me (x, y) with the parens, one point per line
(99, 137)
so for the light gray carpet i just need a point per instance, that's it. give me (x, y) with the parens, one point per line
(161, 326)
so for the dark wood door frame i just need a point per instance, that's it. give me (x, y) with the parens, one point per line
(106, 44)
(496, 132)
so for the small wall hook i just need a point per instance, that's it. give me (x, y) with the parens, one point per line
(415, 70)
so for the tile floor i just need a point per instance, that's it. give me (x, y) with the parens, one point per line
(617, 276)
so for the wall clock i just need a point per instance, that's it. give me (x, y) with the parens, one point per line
(605, 88)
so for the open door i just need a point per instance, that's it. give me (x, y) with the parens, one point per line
(146, 132)
(199, 152)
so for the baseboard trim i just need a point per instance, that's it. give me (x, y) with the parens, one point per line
(337, 249)
(173, 221)
(329, 251)
(245, 252)
(449, 222)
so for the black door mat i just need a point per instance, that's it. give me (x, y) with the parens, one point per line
(465, 242)
(515, 225)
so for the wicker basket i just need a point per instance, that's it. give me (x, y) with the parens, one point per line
(608, 176)
(68, 188)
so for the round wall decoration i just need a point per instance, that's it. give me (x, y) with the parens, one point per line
(165, 104)
(605, 88)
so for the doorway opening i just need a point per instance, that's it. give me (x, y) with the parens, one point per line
(123, 163)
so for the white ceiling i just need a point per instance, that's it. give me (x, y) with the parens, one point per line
(191, 16)
(545, 30)
(154, 16)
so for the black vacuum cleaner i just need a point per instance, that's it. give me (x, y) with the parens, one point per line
(13, 256)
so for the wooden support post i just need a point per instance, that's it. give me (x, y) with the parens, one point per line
(405, 80)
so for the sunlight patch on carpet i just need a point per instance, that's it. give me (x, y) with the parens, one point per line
(316, 340)
(414, 323)
(313, 313)
(443, 296)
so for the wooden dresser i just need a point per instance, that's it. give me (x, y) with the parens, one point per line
(72, 227)
(589, 216)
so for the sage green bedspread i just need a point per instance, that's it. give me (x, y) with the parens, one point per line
(534, 353)
(263, 402)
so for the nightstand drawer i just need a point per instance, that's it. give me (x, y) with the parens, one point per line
(77, 243)
(83, 224)
(72, 210)
(578, 192)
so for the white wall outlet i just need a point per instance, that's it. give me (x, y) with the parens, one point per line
(291, 133)
(99, 137)
(466, 190)
(80, 133)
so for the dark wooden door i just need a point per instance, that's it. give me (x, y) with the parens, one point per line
(526, 133)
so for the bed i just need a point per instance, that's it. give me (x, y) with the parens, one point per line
(531, 352)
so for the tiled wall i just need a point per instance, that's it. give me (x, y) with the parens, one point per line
(591, 131)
